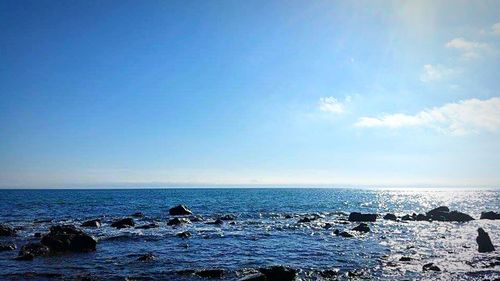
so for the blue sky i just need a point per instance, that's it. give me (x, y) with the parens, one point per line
(153, 93)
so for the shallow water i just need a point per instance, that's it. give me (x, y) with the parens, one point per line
(262, 234)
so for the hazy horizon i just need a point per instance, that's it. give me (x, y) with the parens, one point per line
(379, 93)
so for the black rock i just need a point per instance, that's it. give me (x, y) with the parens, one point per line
(123, 223)
(210, 273)
(6, 230)
(137, 215)
(304, 220)
(25, 257)
(195, 218)
(146, 257)
(329, 273)
(34, 249)
(430, 267)
(391, 217)
(355, 216)
(148, 226)
(407, 218)
(484, 242)
(92, 223)
(178, 221)
(405, 259)
(7, 247)
(254, 277)
(327, 225)
(421, 217)
(362, 227)
(279, 272)
(438, 210)
(443, 214)
(67, 238)
(185, 272)
(184, 235)
(37, 235)
(228, 217)
(179, 210)
(345, 234)
(490, 216)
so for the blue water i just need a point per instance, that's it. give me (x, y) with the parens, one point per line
(262, 234)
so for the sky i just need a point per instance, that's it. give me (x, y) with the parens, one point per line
(336, 93)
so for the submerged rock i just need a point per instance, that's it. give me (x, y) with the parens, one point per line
(355, 216)
(92, 223)
(484, 242)
(137, 215)
(178, 221)
(210, 273)
(279, 272)
(25, 257)
(216, 222)
(179, 210)
(146, 257)
(67, 238)
(430, 267)
(391, 217)
(184, 235)
(148, 226)
(490, 216)
(362, 227)
(34, 249)
(7, 247)
(123, 223)
(228, 217)
(6, 230)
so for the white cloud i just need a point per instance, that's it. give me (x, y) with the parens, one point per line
(495, 29)
(332, 105)
(469, 49)
(433, 73)
(463, 117)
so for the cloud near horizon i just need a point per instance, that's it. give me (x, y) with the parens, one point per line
(461, 118)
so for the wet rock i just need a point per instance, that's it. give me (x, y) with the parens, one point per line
(355, 216)
(92, 223)
(25, 257)
(178, 221)
(146, 257)
(490, 216)
(7, 247)
(362, 227)
(228, 217)
(288, 216)
(327, 225)
(137, 215)
(34, 249)
(345, 234)
(195, 218)
(216, 222)
(405, 259)
(355, 273)
(421, 217)
(430, 267)
(329, 273)
(484, 242)
(185, 272)
(37, 235)
(305, 220)
(210, 273)
(179, 210)
(123, 223)
(407, 218)
(391, 217)
(279, 272)
(148, 226)
(443, 214)
(67, 238)
(184, 235)
(6, 230)
(254, 277)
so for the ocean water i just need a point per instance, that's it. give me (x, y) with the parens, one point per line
(266, 232)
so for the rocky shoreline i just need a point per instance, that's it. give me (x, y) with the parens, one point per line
(62, 239)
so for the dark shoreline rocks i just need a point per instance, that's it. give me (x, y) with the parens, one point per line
(362, 227)
(391, 217)
(33, 250)
(178, 221)
(180, 210)
(490, 216)
(443, 213)
(123, 223)
(7, 247)
(210, 273)
(148, 226)
(92, 223)
(430, 267)
(355, 216)
(279, 272)
(484, 242)
(67, 238)
(6, 230)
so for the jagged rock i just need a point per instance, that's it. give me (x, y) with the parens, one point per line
(178, 221)
(137, 215)
(184, 235)
(228, 217)
(391, 217)
(490, 216)
(179, 210)
(279, 272)
(430, 267)
(123, 223)
(34, 249)
(484, 242)
(210, 273)
(362, 227)
(146, 257)
(355, 216)
(148, 226)
(7, 247)
(92, 223)
(6, 230)
(67, 238)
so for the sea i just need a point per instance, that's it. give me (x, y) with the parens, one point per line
(265, 232)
